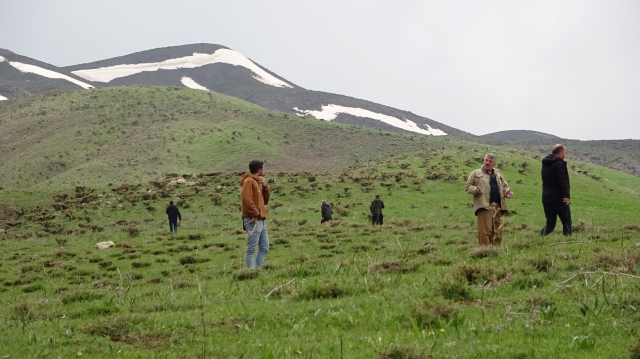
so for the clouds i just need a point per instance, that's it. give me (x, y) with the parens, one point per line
(568, 68)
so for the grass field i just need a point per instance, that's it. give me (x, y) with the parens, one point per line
(416, 287)
(136, 134)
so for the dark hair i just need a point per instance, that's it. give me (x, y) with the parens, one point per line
(255, 166)
(170, 202)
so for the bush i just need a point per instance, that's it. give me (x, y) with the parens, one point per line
(484, 252)
(188, 260)
(132, 230)
(322, 290)
(400, 352)
(453, 288)
(246, 273)
(80, 297)
(431, 313)
(111, 326)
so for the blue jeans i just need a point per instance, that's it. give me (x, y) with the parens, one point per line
(173, 225)
(257, 236)
(553, 210)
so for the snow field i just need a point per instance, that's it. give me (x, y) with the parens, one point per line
(190, 83)
(2, 98)
(330, 112)
(26, 68)
(226, 56)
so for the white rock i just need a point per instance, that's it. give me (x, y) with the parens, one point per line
(105, 245)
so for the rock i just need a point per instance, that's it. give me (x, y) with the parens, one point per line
(105, 245)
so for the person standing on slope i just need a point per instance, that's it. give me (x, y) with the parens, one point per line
(326, 211)
(255, 195)
(174, 214)
(489, 189)
(556, 191)
(376, 210)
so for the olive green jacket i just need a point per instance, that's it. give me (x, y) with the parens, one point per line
(480, 179)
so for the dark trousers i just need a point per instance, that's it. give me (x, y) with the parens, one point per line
(553, 210)
(173, 225)
(326, 220)
(377, 219)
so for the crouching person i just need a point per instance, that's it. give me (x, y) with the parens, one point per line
(489, 190)
(255, 195)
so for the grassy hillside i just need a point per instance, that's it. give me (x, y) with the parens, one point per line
(416, 287)
(114, 135)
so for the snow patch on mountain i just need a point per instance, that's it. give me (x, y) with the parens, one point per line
(2, 98)
(330, 112)
(44, 72)
(190, 83)
(226, 56)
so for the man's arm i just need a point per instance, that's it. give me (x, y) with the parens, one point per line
(505, 185)
(266, 193)
(247, 200)
(470, 187)
(562, 174)
(382, 204)
(179, 216)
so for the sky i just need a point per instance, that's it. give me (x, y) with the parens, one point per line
(569, 68)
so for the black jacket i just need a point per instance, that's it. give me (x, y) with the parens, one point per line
(326, 211)
(555, 179)
(376, 206)
(173, 212)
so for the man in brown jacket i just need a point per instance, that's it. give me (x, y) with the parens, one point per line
(255, 195)
(489, 190)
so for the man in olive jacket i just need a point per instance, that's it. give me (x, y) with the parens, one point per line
(489, 190)
(376, 210)
(556, 191)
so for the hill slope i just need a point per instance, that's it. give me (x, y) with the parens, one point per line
(520, 136)
(137, 133)
(419, 284)
(220, 69)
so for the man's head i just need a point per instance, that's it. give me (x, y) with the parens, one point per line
(490, 161)
(559, 150)
(170, 203)
(377, 196)
(324, 202)
(255, 167)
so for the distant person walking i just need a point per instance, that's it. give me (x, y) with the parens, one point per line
(174, 214)
(326, 212)
(255, 195)
(376, 210)
(489, 189)
(556, 191)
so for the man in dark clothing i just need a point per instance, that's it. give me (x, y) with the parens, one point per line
(174, 214)
(326, 212)
(376, 210)
(556, 191)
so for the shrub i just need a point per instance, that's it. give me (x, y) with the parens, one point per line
(484, 252)
(400, 352)
(80, 297)
(246, 273)
(322, 290)
(527, 282)
(132, 230)
(111, 326)
(140, 264)
(188, 260)
(430, 313)
(453, 288)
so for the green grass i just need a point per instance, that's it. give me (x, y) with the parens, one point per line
(416, 287)
(136, 134)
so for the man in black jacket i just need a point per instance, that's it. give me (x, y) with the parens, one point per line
(174, 214)
(556, 195)
(326, 212)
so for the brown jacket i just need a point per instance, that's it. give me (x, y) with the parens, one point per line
(480, 179)
(254, 198)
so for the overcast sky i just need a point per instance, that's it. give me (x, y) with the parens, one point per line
(570, 68)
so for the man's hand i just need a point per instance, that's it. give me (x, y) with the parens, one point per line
(566, 200)
(509, 194)
(253, 220)
(262, 180)
(478, 190)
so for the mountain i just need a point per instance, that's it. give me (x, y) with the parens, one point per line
(220, 69)
(137, 133)
(620, 155)
(23, 76)
(520, 136)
